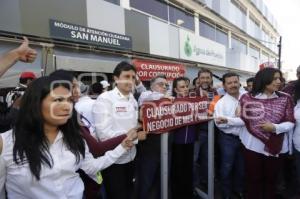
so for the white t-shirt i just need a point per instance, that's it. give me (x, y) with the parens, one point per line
(115, 114)
(59, 182)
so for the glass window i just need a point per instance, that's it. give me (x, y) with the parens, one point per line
(207, 30)
(264, 57)
(221, 37)
(238, 45)
(117, 2)
(265, 38)
(213, 32)
(254, 28)
(238, 16)
(153, 7)
(254, 52)
(187, 19)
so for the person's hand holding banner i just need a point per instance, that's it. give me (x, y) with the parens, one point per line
(221, 120)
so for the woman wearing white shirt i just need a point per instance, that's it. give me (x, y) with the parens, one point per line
(45, 149)
(268, 116)
(296, 135)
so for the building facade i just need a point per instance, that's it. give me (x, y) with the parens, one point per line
(175, 37)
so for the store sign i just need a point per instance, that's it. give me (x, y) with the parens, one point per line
(147, 69)
(68, 31)
(200, 49)
(164, 115)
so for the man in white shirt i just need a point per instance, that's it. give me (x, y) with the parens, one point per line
(230, 125)
(115, 113)
(149, 156)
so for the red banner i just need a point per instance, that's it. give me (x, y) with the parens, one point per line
(163, 115)
(147, 69)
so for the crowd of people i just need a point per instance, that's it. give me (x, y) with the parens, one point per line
(64, 139)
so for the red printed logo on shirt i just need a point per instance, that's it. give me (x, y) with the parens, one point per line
(121, 109)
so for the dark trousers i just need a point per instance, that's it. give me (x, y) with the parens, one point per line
(91, 188)
(118, 181)
(201, 160)
(148, 168)
(297, 165)
(232, 164)
(261, 174)
(182, 171)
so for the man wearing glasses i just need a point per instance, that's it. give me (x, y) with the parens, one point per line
(148, 152)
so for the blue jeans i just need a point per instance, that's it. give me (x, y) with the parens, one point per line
(232, 169)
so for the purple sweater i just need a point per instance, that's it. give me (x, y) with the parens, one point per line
(275, 110)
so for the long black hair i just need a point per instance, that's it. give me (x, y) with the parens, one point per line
(31, 144)
(263, 78)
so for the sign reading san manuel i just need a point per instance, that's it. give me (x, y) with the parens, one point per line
(164, 115)
(68, 31)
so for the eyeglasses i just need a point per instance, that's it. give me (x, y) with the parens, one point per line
(163, 84)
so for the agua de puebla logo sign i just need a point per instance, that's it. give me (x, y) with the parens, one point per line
(188, 47)
(200, 49)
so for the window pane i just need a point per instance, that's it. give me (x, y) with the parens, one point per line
(153, 7)
(254, 53)
(178, 14)
(238, 46)
(117, 2)
(207, 30)
(222, 37)
(238, 15)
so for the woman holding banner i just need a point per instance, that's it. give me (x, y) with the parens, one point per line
(182, 150)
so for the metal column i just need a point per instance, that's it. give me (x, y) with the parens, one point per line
(211, 163)
(164, 165)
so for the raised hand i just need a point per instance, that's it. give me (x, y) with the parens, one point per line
(25, 53)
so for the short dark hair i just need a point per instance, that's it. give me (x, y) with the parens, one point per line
(263, 78)
(24, 80)
(227, 75)
(157, 77)
(123, 66)
(205, 70)
(63, 74)
(194, 81)
(96, 88)
(175, 82)
(251, 79)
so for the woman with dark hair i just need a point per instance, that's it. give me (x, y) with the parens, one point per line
(269, 117)
(70, 78)
(296, 135)
(96, 147)
(45, 149)
(182, 150)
